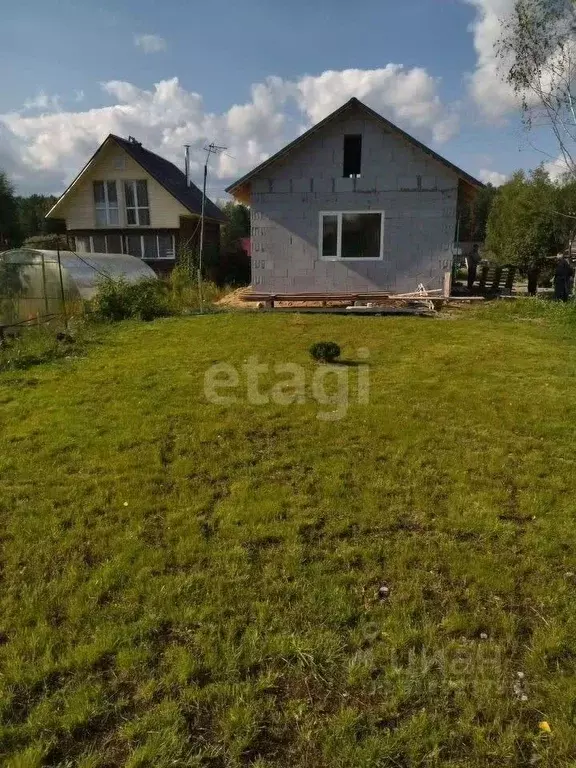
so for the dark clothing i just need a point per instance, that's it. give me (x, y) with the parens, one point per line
(533, 275)
(473, 261)
(561, 288)
(472, 271)
(563, 280)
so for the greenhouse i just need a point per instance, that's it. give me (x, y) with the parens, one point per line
(37, 285)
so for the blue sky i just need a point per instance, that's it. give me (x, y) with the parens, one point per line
(78, 70)
(221, 49)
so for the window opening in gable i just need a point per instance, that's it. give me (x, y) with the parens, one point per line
(352, 156)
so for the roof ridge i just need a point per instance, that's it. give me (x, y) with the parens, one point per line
(355, 101)
(162, 170)
(142, 148)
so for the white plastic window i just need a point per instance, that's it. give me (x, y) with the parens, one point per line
(106, 203)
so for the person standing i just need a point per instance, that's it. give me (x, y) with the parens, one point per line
(563, 275)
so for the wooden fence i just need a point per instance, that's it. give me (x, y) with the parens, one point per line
(497, 279)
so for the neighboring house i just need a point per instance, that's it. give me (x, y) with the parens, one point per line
(353, 205)
(127, 199)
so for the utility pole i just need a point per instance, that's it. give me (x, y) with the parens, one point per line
(211, 149)
(62, 293)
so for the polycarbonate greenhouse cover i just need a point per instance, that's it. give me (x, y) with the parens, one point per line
(83, 272)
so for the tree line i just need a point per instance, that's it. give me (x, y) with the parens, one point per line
(526, 222)
(23, 222)
(22, 217)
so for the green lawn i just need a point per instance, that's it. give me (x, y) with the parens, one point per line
(191, 584)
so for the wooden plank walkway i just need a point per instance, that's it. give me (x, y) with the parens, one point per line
(270, 299)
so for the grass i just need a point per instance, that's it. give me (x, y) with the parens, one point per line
(193, 584)
(44, 344)
(34, 345)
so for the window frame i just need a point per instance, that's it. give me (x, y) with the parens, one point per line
(172, 237)
(136, 208)
(92, 247)
(106, 206)
(115, 234)
(156, 235)
(339, 215)
(89, 240)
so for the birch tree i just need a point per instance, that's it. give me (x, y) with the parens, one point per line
(538, 52)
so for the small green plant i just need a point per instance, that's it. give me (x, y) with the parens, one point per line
(184, 293)
(186, 269)
(181, 280)
(149, 299)
(325, 351)
(50, 242)
(121, 300)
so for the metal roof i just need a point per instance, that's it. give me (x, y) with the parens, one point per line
(171, 178)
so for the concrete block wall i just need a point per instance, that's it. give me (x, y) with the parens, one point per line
(417, 195)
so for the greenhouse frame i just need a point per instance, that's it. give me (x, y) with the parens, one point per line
(39, 285)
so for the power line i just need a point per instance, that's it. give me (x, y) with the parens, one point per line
(186, 244)
(92, 266)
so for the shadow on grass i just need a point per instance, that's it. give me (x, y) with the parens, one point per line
(343, 363)
(348, 363)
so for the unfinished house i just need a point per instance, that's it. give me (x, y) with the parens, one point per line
(355, 205)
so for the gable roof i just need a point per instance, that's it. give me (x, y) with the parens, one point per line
(354, 102)
(163, 171)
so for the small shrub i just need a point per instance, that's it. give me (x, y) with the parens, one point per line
(120, 300)
(149, 299)
(48, 242)
(185, 296)
(325, 351)
(111, 300)
(181, 279)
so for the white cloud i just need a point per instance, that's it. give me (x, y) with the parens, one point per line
(411, 93)
(51, 147)
(493, 96)
(150, 43)
(43, 101)
(492, 177)
(556, 168)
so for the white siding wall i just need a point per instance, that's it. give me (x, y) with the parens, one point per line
(78, 208)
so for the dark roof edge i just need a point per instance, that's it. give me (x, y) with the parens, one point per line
(122, 144)
(125, 145)
(350, 103)
(78, 175)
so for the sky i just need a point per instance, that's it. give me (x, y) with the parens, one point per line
(249, 76)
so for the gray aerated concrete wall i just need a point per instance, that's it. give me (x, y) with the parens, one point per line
(417, 194)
